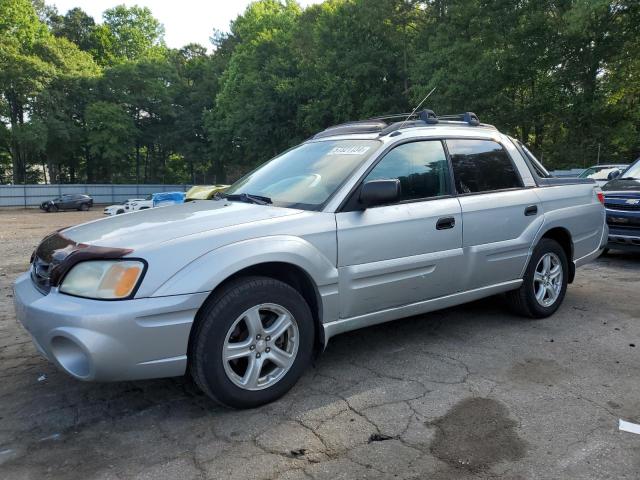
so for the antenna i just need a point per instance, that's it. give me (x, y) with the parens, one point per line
(414, 110)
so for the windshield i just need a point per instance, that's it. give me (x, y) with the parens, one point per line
(598, 172)
(306, 176)
(632, 172)
(587, 172)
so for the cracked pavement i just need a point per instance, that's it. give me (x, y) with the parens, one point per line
(471, 392)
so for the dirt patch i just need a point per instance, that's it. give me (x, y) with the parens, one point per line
(538, 370)
(476, 434)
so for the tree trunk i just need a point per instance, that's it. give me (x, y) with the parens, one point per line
(17, 160)
(221, 175)
(137, 162)
(88, 161)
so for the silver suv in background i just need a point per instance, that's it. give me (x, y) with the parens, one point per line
(364, 223)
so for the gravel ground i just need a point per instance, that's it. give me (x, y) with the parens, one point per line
(466, 393)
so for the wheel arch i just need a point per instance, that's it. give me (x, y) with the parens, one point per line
(294, 276)
(563, 237)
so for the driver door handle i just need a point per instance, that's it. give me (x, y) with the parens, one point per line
(445, 223)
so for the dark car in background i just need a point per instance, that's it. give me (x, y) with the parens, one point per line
(622, 202)
(74, 201)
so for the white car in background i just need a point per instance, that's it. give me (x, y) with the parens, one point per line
(114, 210)
(131, 205)
(603, 173)
(135, 204)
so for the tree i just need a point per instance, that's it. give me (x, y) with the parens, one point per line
(77, 27)
(255, 107)
(22, 73)
(194, 96)
(128, 34)
(110, 137)
(81, 101)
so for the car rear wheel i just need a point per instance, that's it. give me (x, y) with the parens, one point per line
(252, 342)
(544, 283)
(84, 207)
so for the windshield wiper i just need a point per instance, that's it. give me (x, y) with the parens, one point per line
(248, 198)
(628, 178)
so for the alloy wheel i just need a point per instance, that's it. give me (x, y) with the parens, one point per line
(260, 347)
(547, 279)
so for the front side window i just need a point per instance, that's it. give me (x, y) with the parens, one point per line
(306, 176)
(421, 168)
(481, 166)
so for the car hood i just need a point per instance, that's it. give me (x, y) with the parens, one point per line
(162, 224)
(622, 186)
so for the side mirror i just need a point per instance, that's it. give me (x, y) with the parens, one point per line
(379, 192)
(614, 174)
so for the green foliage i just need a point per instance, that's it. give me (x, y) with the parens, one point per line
(77, 27)
(101, 102)
(130, 33)
(110, 138)
(19, 24)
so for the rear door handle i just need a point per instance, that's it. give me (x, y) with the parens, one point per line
(445, 223)
(531, 210)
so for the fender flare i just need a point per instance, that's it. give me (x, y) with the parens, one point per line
(208, 271)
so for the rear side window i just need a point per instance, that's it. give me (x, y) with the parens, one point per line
(534, 162)
(481, 166)
(421, 168)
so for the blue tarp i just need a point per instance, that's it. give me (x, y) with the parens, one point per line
(168, 198)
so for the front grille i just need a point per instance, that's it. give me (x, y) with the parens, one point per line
(622, 206)
(40, 274)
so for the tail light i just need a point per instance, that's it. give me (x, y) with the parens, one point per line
(600, 195)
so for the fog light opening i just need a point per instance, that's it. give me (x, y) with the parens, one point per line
(70, 356)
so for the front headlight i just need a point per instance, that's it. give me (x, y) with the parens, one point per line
(103, 279)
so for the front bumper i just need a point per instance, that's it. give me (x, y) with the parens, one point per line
(624, 239)
(108, 340)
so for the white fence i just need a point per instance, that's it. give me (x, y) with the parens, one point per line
(34, 195)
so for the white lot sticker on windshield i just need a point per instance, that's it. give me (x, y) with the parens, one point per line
(349, 150)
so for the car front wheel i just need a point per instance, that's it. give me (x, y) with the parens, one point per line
(544, 283)
(252, 342)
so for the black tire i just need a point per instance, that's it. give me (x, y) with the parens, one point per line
(523, 300)
(47, 209)
(216, 318)
(84, 207)
(605, 252)
(119, 212)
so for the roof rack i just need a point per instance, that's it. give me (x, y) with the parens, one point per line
(409, 120)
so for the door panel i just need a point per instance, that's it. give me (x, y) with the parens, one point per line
(500, 217)
(394, 255)
(498, 235)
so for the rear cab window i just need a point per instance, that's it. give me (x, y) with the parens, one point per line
(533, 162)
(481, 166)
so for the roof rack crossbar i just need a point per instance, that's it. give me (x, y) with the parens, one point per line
(410, 120)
